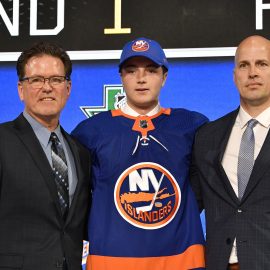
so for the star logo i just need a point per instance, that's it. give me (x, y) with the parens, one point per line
(113, 98)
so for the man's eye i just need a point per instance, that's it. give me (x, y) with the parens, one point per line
(36, 80)
(243, 65)
(130, 71)
(263, 64)
(56, 79)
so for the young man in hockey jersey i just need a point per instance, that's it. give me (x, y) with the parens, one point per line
(144, 214)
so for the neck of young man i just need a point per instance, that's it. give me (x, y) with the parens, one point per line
(143, 109)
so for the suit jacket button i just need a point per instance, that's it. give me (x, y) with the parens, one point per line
(59, 264)
(228, 241)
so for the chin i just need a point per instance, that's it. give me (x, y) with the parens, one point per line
(48, 114)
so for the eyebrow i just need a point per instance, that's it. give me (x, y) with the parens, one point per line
(257, 60)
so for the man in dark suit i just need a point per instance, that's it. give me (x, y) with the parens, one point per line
(238, 210)
(44, 173)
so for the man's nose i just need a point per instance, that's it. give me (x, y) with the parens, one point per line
(253, 71)
(47, 86)
(141, 76)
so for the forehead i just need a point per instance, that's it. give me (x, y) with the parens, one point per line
(45, 64)
(252, 51)
(139, 61)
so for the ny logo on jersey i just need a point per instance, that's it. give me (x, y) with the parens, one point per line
(142, 181)
(147, 195)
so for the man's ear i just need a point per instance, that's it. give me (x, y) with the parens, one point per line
(69, 84)
(164, 78)
(20, 90)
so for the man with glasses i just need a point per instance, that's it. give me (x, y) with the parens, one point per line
(44, 173)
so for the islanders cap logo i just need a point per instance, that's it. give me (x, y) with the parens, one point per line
(147, 195)
(140, 46)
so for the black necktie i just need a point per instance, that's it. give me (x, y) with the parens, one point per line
(60, 169)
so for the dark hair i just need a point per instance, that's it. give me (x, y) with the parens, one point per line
(43, 48)
(164, 69)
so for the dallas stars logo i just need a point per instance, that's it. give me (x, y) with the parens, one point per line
(113, 98)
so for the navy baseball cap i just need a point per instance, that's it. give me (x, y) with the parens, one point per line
(146, 48)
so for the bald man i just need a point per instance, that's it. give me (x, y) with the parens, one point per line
(230, 171)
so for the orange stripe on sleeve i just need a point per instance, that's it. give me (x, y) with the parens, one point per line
(193, 257)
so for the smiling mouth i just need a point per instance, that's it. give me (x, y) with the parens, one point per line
(47, 99)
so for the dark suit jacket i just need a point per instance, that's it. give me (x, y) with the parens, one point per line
(33, 234)
(226, 216)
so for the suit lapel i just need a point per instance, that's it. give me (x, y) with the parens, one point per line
(221, 140)
(29, 139)
(76, 157)
(261, 165)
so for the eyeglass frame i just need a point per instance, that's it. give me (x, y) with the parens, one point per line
(66, 78)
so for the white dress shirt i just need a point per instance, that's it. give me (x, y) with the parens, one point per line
(126, 109)
(230, 158)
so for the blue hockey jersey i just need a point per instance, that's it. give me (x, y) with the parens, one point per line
(144, 215)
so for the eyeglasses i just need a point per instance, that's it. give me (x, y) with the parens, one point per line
(39, 81)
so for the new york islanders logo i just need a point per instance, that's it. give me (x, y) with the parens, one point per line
(140, 46)
(147, 196)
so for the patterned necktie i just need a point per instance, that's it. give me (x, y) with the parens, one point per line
(246, 157)
(60, 169)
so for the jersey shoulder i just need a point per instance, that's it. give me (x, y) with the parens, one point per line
(89, 130)
(189, 117)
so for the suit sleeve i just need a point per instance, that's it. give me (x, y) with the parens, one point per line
(86, 165)
(0, 177)
(195, 176)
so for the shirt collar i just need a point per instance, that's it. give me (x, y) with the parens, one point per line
(263, 118)
(126, 109)
(42, 132)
